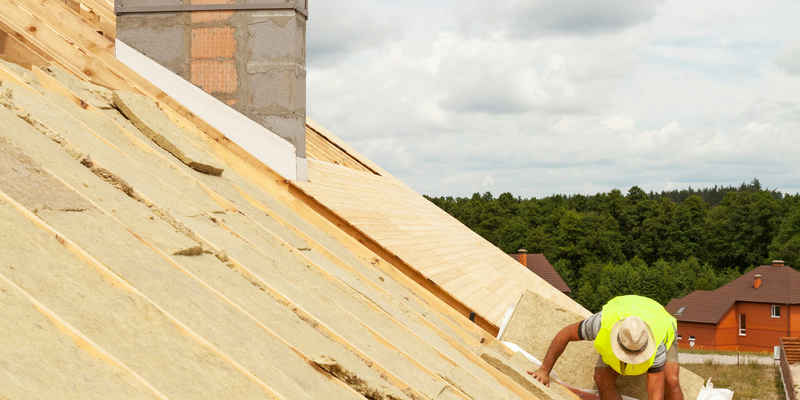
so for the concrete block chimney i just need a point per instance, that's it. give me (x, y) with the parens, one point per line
(250, 54)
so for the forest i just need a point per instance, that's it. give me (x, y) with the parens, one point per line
(661, 245)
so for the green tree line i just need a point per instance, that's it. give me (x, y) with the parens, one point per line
(661, 245)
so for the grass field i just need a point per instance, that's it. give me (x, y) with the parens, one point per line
(748, 381)
(723, 352)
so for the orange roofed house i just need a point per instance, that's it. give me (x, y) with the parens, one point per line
(539, 265)
(750, 314)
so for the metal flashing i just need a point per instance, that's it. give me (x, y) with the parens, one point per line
(167, 6)
(263, 144)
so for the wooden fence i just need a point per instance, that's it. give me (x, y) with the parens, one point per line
(790, 354)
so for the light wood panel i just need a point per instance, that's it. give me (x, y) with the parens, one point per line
(437, 246)
(321, 148)
(13, 50)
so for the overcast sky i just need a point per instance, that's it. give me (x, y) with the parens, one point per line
(536, 97)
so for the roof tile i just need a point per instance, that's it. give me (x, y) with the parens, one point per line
(780, 285)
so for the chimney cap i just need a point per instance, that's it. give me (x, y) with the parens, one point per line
(522, 251)
(757, 276)
(778, 263)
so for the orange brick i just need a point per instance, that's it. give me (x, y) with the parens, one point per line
(215, 76)
(200, 17)
(213, 43)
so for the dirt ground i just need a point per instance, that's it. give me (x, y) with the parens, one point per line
(749, 381)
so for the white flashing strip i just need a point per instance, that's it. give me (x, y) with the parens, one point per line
(269, 148)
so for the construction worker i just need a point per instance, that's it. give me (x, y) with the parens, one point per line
(634, 335)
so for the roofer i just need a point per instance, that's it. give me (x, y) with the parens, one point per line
(634, 335)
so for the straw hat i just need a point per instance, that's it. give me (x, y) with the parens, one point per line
(632, 341)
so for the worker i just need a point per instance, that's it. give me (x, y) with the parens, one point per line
(634, 335)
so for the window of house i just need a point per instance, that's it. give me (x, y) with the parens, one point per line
(776, 311)
(680, 337)
(691, 341)
(742, 325)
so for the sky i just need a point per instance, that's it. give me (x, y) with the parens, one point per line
(539, 97)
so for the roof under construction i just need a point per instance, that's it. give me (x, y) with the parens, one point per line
(146, 255)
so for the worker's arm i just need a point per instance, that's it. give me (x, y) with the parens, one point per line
(567, 334)
(655, 385)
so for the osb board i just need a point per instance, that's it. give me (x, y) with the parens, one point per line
(534, 323)
(436, 245)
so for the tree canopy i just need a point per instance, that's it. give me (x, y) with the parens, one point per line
(661, 245)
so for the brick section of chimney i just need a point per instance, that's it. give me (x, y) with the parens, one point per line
(757, 281)
(250, 54)
(215, 77)
(778, 263)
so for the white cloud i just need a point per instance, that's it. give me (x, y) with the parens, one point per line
(790, 60)
(488, 182)
(660, 96)
(533, 18)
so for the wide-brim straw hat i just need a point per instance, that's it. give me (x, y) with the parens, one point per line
(632, 340)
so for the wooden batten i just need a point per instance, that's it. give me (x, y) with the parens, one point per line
(14, 50)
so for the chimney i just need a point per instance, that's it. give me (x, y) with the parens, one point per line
(523, 256)
(778, 263)
(249, 54)
(757, 281)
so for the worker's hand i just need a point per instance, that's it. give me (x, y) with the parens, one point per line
(541, 375)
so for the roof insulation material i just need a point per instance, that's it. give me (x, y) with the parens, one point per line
(128, 272)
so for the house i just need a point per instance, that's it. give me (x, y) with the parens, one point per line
(539, 265)
(750, 314)
(200, 237)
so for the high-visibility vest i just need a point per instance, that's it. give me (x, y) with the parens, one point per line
(661, 323)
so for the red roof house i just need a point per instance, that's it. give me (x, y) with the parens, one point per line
(539, 265)
(750, 313)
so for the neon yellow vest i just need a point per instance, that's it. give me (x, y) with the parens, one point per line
(660, 321)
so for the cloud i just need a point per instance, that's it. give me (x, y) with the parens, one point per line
(338, 29)
(789, 61)
(664, 97)
(488, 182)
(534, 18)
(580, 16)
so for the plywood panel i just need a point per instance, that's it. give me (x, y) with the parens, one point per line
(321, 148)
(435, 244)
